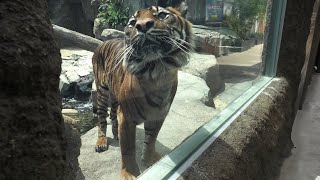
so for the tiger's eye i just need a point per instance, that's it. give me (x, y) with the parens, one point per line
(163, 15)
(132, 22)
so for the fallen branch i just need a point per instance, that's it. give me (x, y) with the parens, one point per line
(74, 39)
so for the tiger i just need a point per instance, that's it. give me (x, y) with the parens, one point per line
(136, 78)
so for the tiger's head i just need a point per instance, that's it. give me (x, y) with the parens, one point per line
(156, 36)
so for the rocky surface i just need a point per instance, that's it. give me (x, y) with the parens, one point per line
(213, 41)
(73, 141)
(207, 68)
(76, 75)
(76, 15)
(108, 34)
(99, 27)
(90, 9)
(183, 119)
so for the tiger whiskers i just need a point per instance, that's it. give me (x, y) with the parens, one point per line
(176, 43)
(120, 57)
(187, 43)
(179, 45)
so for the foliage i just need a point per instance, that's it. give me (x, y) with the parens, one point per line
(243, 15)
(256, 35)
(113, 13)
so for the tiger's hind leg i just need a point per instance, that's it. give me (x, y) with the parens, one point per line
(149, 154)
(113, 117)
(102, 112)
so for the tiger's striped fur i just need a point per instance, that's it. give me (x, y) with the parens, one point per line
(137, 78)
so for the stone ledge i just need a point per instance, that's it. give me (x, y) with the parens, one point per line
(73, 144)
(254, 145)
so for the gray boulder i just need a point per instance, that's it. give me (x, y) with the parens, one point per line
(213, 41)
(99, 27)
(108, 34)
(206, 41)
(207, 68)
(76, 73)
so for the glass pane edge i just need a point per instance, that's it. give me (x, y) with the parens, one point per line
(165, 167)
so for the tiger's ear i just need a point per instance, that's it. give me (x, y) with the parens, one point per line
(174, 10)
(178, 7)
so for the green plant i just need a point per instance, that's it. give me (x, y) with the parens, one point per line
(112, 13)
(243, 15)
(256, 35)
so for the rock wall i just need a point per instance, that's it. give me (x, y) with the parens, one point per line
(76, 15)
(31, 136)
(254, 146)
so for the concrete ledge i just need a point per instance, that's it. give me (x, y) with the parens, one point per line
(255, 144)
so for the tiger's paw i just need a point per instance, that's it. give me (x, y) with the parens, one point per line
(125, 175)
(148, 159)
(102, 144)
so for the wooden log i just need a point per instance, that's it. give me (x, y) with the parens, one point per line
(71, 38)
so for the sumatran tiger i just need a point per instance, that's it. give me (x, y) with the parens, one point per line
(136, 77)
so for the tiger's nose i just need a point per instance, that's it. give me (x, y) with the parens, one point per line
(144, 25)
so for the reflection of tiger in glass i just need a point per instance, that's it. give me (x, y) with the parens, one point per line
(139, 74)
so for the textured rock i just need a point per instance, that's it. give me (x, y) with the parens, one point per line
(111, 34)
(207, 68)
(72, 113)
(213, 41)
(90, 9)
(76, 15)
(73, 141)
(77, 75)
(98, 27)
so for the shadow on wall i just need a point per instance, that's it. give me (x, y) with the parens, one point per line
(238, 74)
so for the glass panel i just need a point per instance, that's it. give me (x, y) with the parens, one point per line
(235, 50)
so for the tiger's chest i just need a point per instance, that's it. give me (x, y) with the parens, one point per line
(147, 100)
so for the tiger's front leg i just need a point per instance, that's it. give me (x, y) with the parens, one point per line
(149, 154)
(102, 112)
(127, 135)
(102, 143)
